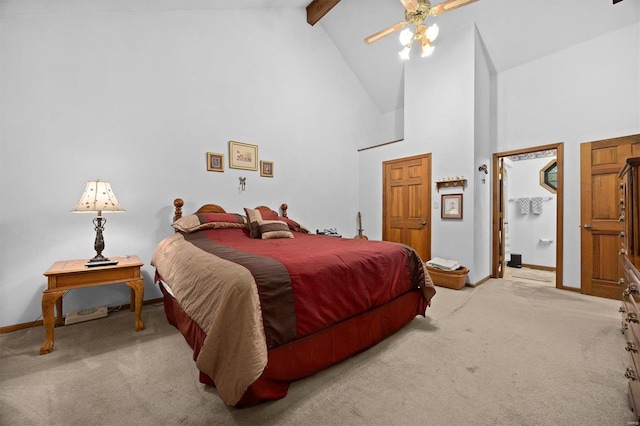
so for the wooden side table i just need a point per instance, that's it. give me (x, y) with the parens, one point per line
(67, 275)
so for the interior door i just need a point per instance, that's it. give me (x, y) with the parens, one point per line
(406, 199)
(501, 219)
(600, 164)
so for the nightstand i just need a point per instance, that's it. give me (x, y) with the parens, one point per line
(67, 275)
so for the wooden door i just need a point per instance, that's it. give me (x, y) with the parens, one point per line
(406, 200)
(501, 230)
(600, 164)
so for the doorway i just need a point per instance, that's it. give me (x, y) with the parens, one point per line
(527, 213)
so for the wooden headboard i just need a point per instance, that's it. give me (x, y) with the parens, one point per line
(178, 203)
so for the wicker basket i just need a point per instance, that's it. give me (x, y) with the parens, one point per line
(452, 279)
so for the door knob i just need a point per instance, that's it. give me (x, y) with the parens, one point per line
(423, 223)
(588, 226)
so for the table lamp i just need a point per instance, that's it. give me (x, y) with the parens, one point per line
(98, 198)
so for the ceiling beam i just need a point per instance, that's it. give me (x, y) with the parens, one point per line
(318, 8)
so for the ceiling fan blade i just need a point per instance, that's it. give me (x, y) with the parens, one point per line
(410, 5)
(449, 5)
(377, 36)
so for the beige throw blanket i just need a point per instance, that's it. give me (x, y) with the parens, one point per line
(234, 353)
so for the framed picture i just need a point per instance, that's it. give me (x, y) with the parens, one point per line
(266, 168)
(215, 162)
(243, 156)
(451, 206)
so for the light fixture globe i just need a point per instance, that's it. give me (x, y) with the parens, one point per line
(432, 32)
(404, 53)
(426, 48)
(405, 36)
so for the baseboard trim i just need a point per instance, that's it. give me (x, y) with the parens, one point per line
(540, 267)
(482, 281)
(37, 323)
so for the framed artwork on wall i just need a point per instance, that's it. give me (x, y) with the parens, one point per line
(266, 168)
(243, 156)
(451, 206)
(215, 162)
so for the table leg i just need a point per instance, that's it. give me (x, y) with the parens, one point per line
(138, 287)
(48, 299)
(59, 317)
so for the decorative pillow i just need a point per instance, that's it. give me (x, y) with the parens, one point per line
(196, 222)
(268, 214)
(274, 229)
(272, 215)
(253, 217)
(293, 225)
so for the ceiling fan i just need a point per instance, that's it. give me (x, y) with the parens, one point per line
(416, 11)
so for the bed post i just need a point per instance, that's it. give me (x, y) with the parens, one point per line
(177, 203)
(284, 208)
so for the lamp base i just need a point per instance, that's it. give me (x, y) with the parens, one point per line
(98, 258)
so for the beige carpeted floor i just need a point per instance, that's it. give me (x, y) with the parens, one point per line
(531, 276)
(504, 353)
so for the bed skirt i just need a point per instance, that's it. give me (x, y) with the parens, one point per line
(309, 355)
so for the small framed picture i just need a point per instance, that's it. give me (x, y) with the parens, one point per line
(451, 206)
(243, 156)
(215, 162)
(266, 168)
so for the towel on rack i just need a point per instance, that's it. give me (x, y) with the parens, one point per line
(536, 205)
(523, 205)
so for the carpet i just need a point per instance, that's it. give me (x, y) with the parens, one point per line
(536, 275)
(503, 353)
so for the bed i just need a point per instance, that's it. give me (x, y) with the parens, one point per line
(262, 302)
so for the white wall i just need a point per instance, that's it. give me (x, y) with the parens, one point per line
(483, 131)
(581, 94)
(137, 99)
(439, 119)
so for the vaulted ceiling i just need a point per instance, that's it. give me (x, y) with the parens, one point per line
(514, 32)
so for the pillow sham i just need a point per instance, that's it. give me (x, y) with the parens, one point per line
(270, 229)
(293, 225)
(253, 217)
(196, 222)
(261, 227)
(265, 214)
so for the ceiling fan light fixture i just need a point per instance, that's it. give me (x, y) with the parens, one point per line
(405, 36)
(416, 12)
(432, 32)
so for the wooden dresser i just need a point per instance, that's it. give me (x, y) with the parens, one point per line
(630, 277)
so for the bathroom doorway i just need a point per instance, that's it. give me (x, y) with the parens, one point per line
(527, 215)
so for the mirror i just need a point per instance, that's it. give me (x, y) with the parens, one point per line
(549, 176)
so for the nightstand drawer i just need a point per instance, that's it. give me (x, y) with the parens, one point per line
(93, 275)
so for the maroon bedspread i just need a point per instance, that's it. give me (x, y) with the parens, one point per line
(311, 282)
